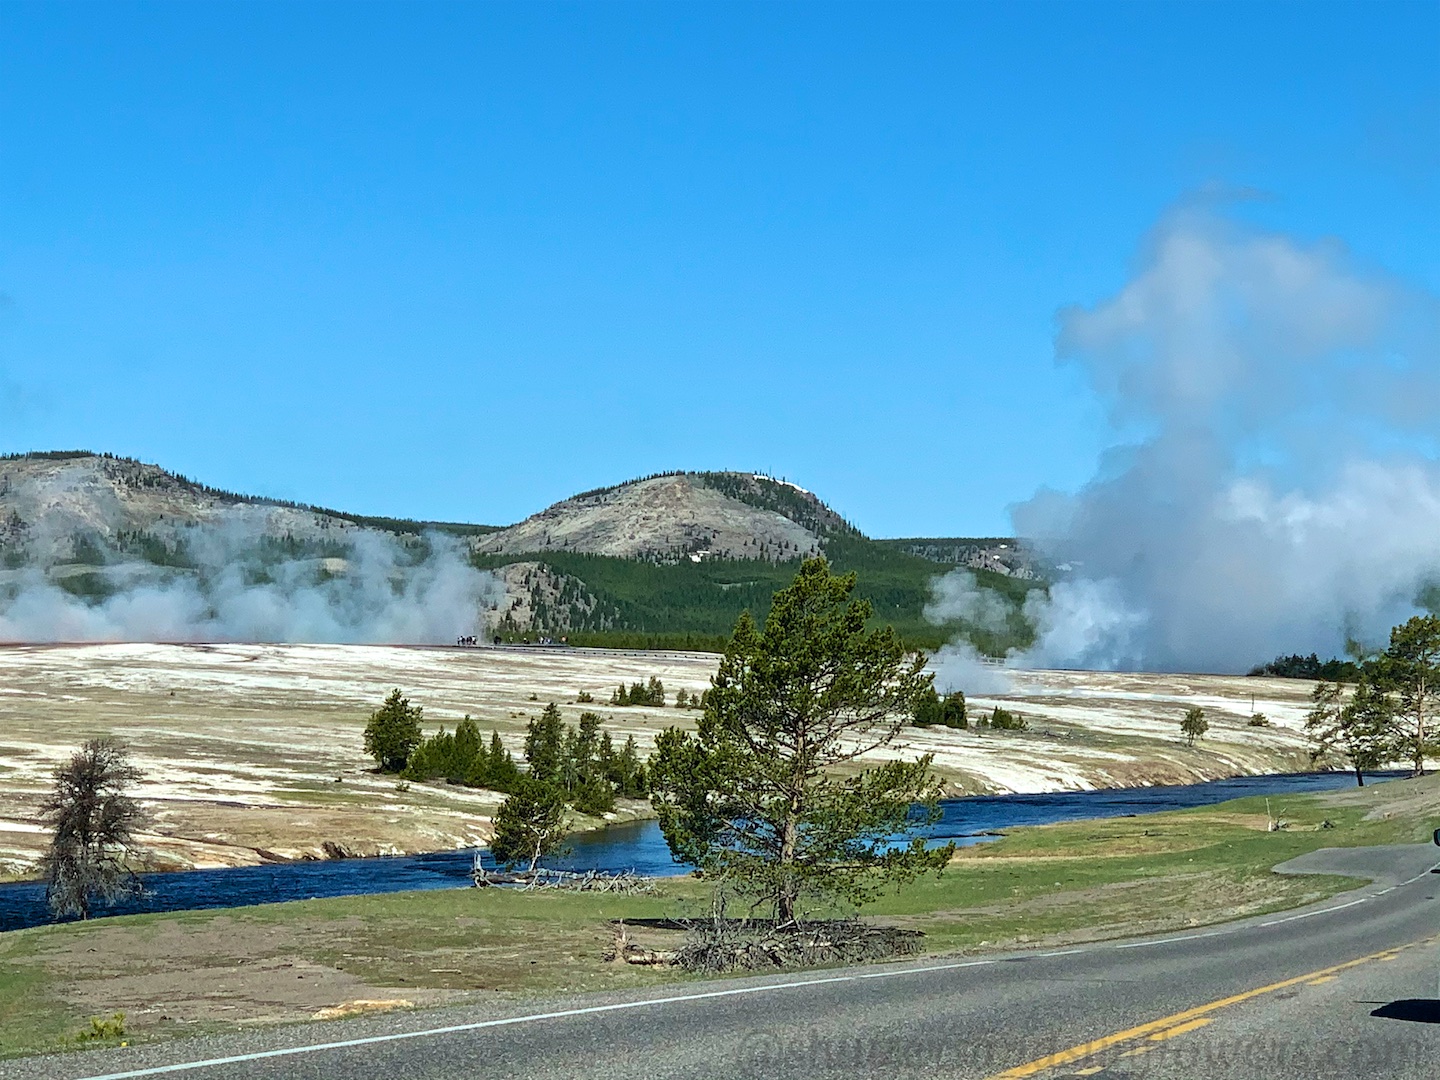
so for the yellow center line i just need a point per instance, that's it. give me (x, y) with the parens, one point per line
(1189, 1025)
(1322, 980)
(1180, 1019)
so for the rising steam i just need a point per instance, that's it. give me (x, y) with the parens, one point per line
(375, 589)
(1274, 486)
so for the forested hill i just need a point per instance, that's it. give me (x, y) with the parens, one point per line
(672, 560)
(667, 560)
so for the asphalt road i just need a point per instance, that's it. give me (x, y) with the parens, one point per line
(1347, 989)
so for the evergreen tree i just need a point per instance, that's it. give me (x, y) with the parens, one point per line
(605, 754)
(1410, 668)
(587, 745)
(625, 772)
(469, 748)
(568, 775)
(927, 708)
(593, 795)
(755, 797)
(952, 710)
(1194, 725)
(1005, 720)
(948, 711)
(545, 745)
(529, 825)
(430, 758)
(497, 770)
(393, 732)
(1367, 728)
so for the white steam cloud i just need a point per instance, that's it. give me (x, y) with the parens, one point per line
(381, 591)
(959, 666)
(1277, 488)
(958, 597)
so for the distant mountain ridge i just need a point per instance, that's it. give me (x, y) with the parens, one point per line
(998, 554)
(670, 558)
(60, 493)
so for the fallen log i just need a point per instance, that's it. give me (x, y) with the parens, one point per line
(634, 954)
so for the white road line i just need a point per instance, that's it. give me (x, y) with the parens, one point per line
(1173, 940)
(915, 971)
(1352, 903)
(186, 1066)
(1288, 918)
(1312, 914)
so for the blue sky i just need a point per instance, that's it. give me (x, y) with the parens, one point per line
(457, 262)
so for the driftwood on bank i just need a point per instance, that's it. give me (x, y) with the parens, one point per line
(626, 881)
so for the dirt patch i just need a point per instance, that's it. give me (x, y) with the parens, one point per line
(264, 990)
(216, 970)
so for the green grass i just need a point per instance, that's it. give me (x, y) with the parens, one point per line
(1089, 879)
(32, 1017)
(1052, 884)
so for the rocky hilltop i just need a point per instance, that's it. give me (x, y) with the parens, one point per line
(695, 516)
(54, 506)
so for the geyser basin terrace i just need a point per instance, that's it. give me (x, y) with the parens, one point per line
(255, 749)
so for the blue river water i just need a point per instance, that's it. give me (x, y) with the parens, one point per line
(634, 846)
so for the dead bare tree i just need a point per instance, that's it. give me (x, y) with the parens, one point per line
(94, 822)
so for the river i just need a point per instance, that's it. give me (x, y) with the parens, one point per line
(635, 845)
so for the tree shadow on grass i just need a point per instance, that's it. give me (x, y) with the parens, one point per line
(1416, 1010)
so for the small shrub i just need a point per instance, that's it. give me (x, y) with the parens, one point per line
(102, 1028)
(1005, 720)
(1259, 720)
(584, 698)
(651, 693)
(719, 946)
(948, 711)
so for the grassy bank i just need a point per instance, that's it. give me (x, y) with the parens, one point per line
(1061, 883)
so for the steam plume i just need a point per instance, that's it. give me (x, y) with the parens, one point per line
(381, 591)
(1274, 486)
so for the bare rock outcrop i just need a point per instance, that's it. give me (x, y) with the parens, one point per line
(683, 515)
